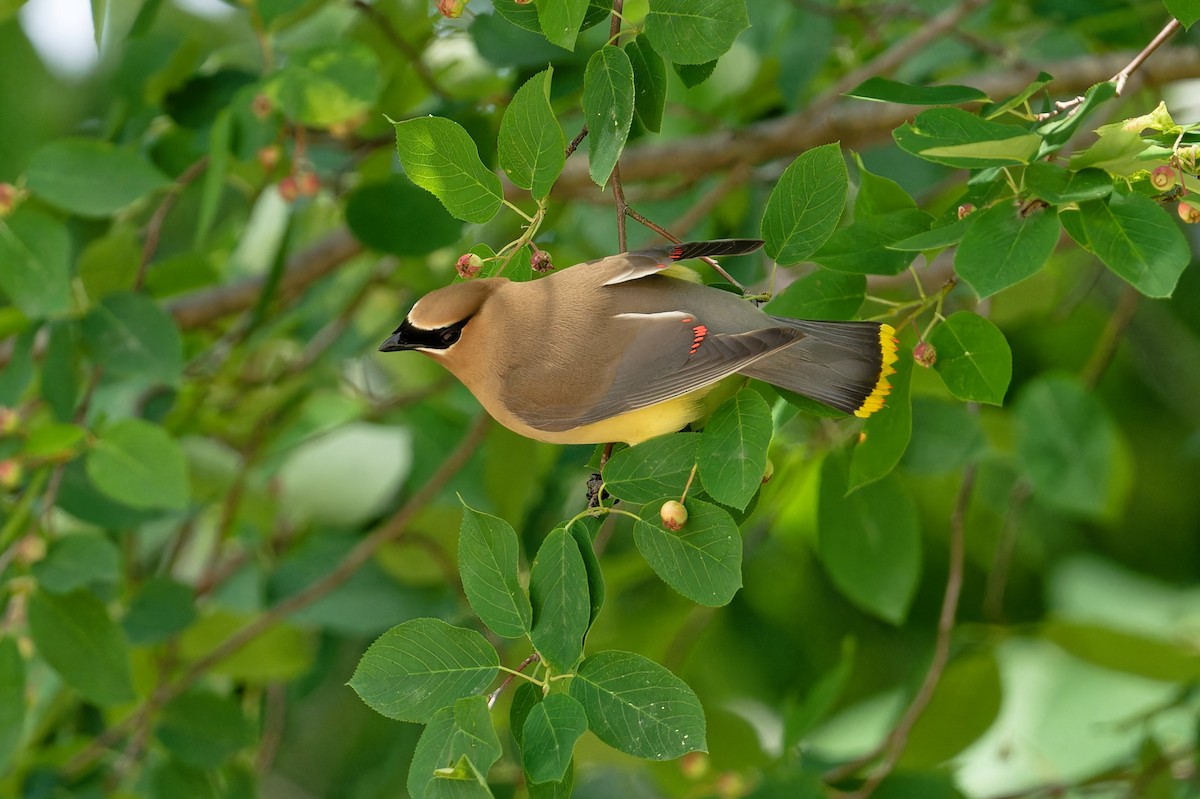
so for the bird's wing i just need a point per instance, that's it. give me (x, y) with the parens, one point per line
(634, 265)
(666, 355)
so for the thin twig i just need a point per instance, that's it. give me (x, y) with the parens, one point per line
(897, 740)
(1110, 338)
(575, 142)
(534, 657)
(401, 44)
(389, 531)
(274, 719)
(622, 208)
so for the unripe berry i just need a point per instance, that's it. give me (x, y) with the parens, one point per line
(11, 473)
(694, 765)
(674, 516)
(8, 199)
(468, 265)
(1189, 214)
(308, 183)
(965, 210)
(925, 354)
(269, 157)
(10, 419)
(541, 262)
(1163, 177)
(451, 9)
(289, 189)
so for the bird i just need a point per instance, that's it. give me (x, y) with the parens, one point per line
(624, 349)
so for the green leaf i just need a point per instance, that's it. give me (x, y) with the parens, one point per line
(463, 729)
(418, 667)
(77, 561)
(695, 31)
(1144, 655)
(1118, 151)
(373, 208)
(60, 378)
(655, 468)
(558, 589)
(733, 449)
(703, 560)
(323, 86)
(219, 139)
(561, 20)
(524, 698)
(886, 433)
(1186, 11)
(973, 358)
(607, 108)
(74, 634)
(1137, 240)
(1057, 186)
(439, 156)
(548, 737)
(460, 781)
(488, 550)
(13, 701)
(562, 789)
(934, 238)
(805, 205)
(638, 707)
(131, 335)
(139, 464)
(531, 148)
(204, 729)
(878, 195)
(869, 542)
(956, 138)
(994, 110)
(1059, 130)
(693, 75)
(946, 437)
(863, 246)
(800, 717)
(160, 609)
(886, 90)
(1067, 445)
(281, 653)
(90, 177)
(821, 294)
(1001, 247)
(649, 83)
(584, 533)
(964, 705)
(35, 263)
(110, 263)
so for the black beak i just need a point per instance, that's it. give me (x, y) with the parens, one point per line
(395, 343)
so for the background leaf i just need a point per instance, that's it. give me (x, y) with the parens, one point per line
(35, 270)
(131, 335)
(91, 178)
(373, 208)
(75, 635)
(139, 464)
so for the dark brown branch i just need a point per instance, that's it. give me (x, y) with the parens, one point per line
(575, 142)
(389, 531)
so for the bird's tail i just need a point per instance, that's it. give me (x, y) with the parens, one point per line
(843, 364)
(708, 249)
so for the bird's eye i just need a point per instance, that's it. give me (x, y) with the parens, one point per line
(449, 336)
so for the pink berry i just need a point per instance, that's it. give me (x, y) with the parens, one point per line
(925, 354)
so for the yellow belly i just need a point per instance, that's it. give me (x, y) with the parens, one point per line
(633, 427)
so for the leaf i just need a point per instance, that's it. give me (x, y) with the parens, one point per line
(548, 737)
(530, 147)
(1186, 11)
(1057, 186)
(463, 729)
(886, 433)
(91, 178)
(1059, 130)
(1067, 444)
(649, 83)
(821, 294)
(139, 464)
(805, 205)
(460, 781)
(282, 653)
(946, 437)
(934, 238)
(524, 698)
(160, 609)
(74, 634)
(800, 717)
(562, 789)
(869, 542)
(973, 358)
(695, 31)
(558, 589)
(328, 84)
(863, 246)
(956, 138)
(693, 75)
(886, 90)
(77, 561)
(204, 729)
(877, 194)
(703, 560)
(994, 110)
(655, 468)
(35, 263)
(733, 449)
(1145, 655)
(488, 550)
(109, 264)
(964, 705)
(638, 707)
(607, 108)
(561, 20)
(1001, 248)
(131, 335)
(13, 701)
(1137, 240)
(373, 208)
(439, 156)
(584, 533)
(420, 666)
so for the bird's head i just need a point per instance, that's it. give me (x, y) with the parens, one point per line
(439, 319)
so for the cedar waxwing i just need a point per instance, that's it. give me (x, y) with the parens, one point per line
(616, 350)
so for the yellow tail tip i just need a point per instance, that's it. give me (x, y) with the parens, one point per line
(887, 347)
